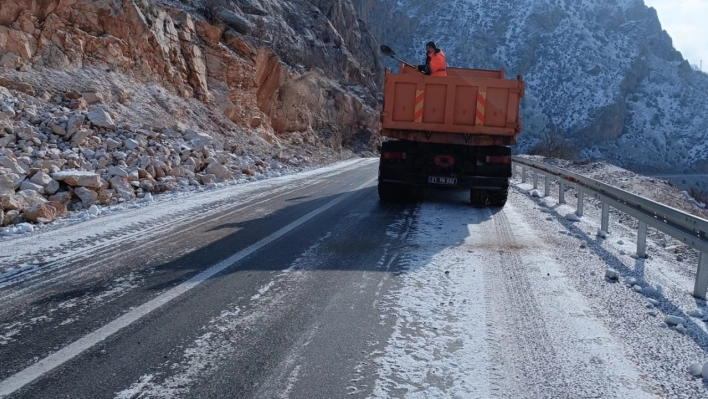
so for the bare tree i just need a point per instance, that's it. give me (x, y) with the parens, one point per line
(553, 145)
(698, 195)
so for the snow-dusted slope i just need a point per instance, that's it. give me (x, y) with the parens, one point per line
(604, 72)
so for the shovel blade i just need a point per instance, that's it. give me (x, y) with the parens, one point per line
(386, 50)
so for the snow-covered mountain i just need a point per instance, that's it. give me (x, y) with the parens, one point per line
(602, 71)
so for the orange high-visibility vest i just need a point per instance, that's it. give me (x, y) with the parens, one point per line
(438, 67)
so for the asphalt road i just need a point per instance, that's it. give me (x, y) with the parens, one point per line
(308, 287)
(320, 316)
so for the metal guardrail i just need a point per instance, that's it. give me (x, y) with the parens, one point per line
(689, 229)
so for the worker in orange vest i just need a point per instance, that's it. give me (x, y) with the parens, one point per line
(434, 61)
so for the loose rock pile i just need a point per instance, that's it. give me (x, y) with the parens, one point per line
(56, 158)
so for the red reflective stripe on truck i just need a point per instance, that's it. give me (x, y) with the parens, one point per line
(481, 107)
(419, 103)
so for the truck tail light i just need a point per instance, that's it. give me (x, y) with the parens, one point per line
(498, 159)
(444, 161)
(394, 156)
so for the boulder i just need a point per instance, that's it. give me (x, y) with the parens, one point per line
(207, 179)
(88, 197)
(148, 185)
(78, 178)
(7, 184)
(105, 196)
(93, 97)
(131, 144)
(123, 188)
(74, 124)
(32, 197)
(12, 202)
(62, 197)
(11, 217)
(40, 213)
(59, 208)
(220, 171)
(166, 185)
(11, 163)
(6, 140)
(58, 129)
(80, 137)
(134, 176)
(204, 138)
(112, 144)
(255, 122)
(28, 185)
(50, 185)
(100, 118)
(117, 171)
(181, 171)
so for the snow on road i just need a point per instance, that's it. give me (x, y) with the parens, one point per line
(485, 310)
(514, 303)
(31, 258)
(490, 303)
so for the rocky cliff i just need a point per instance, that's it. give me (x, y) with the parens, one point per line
(603, 73)
(105, 100)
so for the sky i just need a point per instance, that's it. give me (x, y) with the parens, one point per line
(685, 20)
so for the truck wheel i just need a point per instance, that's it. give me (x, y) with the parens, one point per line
(387, 192)
(406, 193)
(498, 198)
(479, 198)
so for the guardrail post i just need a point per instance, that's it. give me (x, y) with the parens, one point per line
(523, 174)
(579, 212)
(513, 170)
(561, 191)
(605, 222)
(535, 179)
(547, 186)
(699, 290)
(642, 240)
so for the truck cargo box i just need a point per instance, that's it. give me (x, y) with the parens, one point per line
(469, 107)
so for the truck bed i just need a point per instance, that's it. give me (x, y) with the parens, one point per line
(469, 107)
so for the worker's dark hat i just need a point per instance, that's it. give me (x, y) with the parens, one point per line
(431, 44)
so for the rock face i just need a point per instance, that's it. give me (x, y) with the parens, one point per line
(238, 60)
(604, 73)
(103, 101)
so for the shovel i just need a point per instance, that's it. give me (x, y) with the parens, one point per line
(388, 51)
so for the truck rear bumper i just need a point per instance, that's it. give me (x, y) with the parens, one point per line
(462, 182)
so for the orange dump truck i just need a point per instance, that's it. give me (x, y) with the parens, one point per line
(453, 131)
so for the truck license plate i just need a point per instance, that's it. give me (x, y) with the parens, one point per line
(451, 181)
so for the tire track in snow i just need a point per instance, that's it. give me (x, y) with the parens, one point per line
(525, 363)
(437, 347)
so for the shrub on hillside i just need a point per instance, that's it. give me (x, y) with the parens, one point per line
(553, 145)
(698, 195)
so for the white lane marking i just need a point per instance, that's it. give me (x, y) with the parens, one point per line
(56, 359)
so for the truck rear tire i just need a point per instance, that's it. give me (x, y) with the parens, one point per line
(387, 192)
(498, 198)
(479, 198)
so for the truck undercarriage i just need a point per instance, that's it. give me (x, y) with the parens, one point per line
(407, 165)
